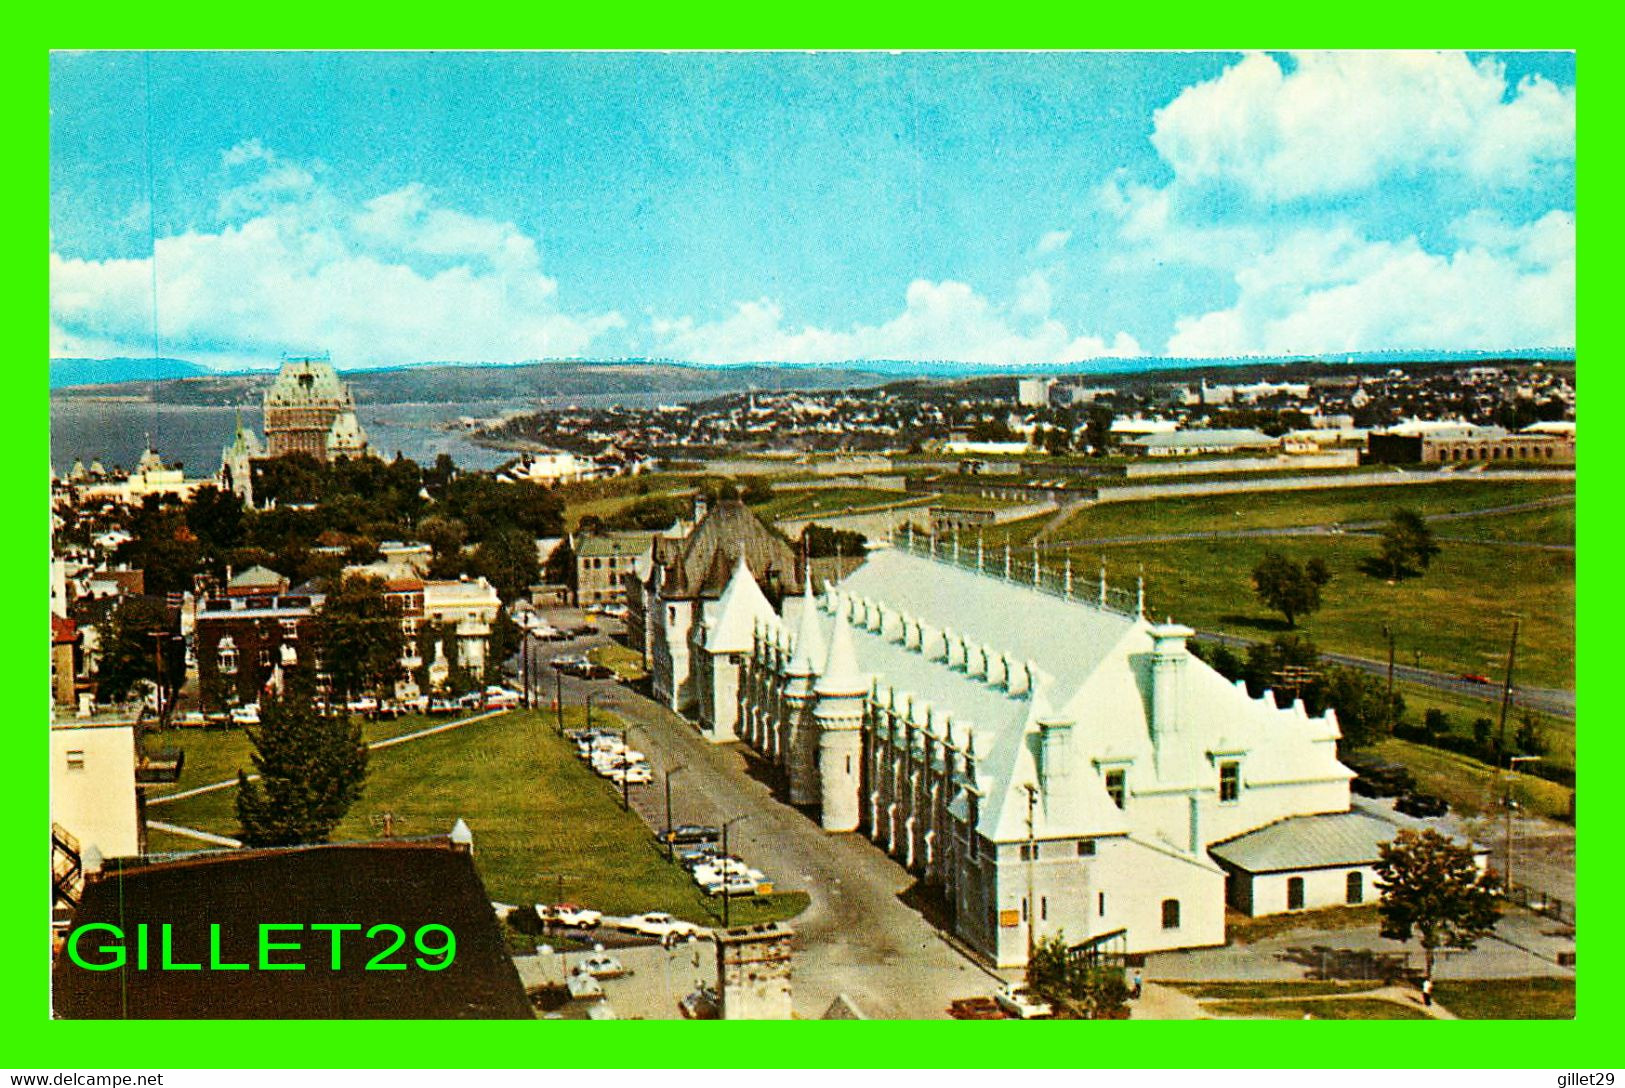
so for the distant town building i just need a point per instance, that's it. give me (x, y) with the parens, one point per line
(1034, 392)
(246, 634)
(470, 606)
(602, 562)
(1428, 443)
(1186, 443)
(309, 410)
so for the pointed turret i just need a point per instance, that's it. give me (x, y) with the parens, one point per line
(840, 675)
(809, 650)
(841, 690)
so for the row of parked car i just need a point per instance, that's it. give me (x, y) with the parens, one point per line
(609, 756)
(653, 923)
(713, 871)
(492, 698)
(1377, 778)
(583, 666)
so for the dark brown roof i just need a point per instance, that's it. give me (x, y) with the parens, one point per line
(731, 530)
(407, 884)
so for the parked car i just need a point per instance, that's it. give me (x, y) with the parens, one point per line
(418, 704)
(502, 699)
(584, 987)
(701, 1004)
(442, 705)
(692, 859)
(634, 774)
(601, 965)
(571, 915)
(690, 834)
(592, 670)
(1021, 1003)
(659, 924)
(1421, 804)
(247, 714)
(1476, 678)
(473, 700)
(366, 704)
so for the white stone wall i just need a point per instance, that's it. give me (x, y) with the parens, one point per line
(1321, 888)
(94, 796)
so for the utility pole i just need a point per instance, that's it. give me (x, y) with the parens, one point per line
(524, 663)
(670, 851)
(626, 771)
(1032, 856)
(558, 696)
(1506, 689)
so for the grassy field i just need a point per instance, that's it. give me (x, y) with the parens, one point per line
(1321, 506)
(1508, 998)
(1461, 710)
(825, 500)
(627, 662)
(1458, 614)
(1553, 525)
(214, 755)
(1471, 787)
(536, 812)
(1353, 1008)
(1242, 929)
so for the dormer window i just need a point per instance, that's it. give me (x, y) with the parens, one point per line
(1117, 786)
(1229, 781)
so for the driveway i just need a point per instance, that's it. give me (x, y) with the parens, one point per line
(857, 937)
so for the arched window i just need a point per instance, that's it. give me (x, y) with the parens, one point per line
(227, 651)
(1170, 914)
(1356, 888)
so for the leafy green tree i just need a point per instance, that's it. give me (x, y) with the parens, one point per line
(216, 518)
(1097, 430)
(359, 638)
(1407, 544)
(1057, 441)
(1482, 728)
(1530, 738)
(1289, 587)
(162, 547)
(1364, 712)
(821, 542)
(311, 767)
(754, 490)
(1433, 889)
(1074, 986)
(130, 650)
(508, 560)
(445, 537)
(1435, 722)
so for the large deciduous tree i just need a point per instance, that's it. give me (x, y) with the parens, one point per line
(1433, 889)
(359, 637)
(1407, 544)
(311, 765)
(143, 632)
(508, 559)
(1289, 587)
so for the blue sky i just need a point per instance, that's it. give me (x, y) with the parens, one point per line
(992, 208)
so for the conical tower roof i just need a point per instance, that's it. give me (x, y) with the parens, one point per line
(840, 675)
(741, 609)
(809, 639)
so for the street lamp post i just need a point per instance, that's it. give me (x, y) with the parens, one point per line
(726, 824)
(670, 852)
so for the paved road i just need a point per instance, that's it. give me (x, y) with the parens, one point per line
(1557, 702)
(858, 936)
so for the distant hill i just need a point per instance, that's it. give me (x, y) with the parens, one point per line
(71, 372)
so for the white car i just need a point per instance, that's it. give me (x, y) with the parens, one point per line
(600, 965)
(502, 699)
(364, 705)
(633, 774)
(1021, 1003)
(732, 884)
(246, 715)
(568, 914)
(659, 924)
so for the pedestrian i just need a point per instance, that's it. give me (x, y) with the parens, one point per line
(1427, 991)
(1134, 989)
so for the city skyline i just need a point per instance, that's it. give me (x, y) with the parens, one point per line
(1009, 209)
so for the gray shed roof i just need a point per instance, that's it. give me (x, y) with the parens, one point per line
(1307, 842)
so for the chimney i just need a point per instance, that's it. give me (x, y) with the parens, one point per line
(1168, 657)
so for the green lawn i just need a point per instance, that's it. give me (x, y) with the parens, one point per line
(1553, 525)
(1458, 614)
(1353, 1008)
(214, 755)
(627, 662)
(1508, 998)
(1319, 506)
(1462, 710)
(807, 502)
(1471, 787)
(537, 813)
(1242, 929)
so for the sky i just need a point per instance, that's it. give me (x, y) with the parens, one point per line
(1000, 209)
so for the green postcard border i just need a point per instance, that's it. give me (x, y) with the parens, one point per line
(32, 1040)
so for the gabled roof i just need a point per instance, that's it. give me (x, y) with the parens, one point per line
(741, 607)
(257, 577)
(731, 528)
(1307, 842)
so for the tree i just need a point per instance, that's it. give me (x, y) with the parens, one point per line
(1071, 984)
(359, 637)
(1435, 722)
(1433, 889)
(1530, 739)
(130, 651)
(1057, 441)
(1289, 587)
(1364, 713)
(1097, 430)
(312, 766)
(755, 490)
(1407, 544)
(508, 560)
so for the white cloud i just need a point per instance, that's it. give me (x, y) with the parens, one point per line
(1033, 295)
(940, 321)
(1332, 291)
(397, 279)
(1052, 242)
(1340, 122)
